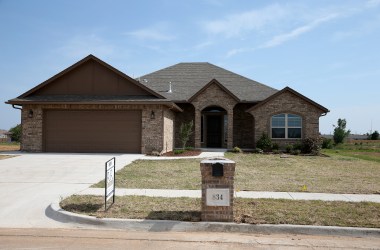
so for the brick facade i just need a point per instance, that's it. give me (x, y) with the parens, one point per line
(287, 102)
(243, 126)
(157, 133)
(214, 95)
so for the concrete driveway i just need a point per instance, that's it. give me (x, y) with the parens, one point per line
(30, 182)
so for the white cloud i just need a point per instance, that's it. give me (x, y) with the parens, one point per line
(157, 33)
(235, 25)
(280, 39)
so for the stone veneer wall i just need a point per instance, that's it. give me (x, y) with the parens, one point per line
(31, 137)
(186, 116)
(152, 129)
(287, 103)
(213, 96)
(243, 126)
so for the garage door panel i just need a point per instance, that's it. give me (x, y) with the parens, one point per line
(92, 131)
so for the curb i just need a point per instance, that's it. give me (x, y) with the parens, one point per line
(54, 211)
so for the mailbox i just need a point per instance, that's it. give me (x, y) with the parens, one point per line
(217, 169)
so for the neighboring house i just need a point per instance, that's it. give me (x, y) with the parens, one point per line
(5, 136)
(93, 107)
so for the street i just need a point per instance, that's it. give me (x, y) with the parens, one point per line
(116, 239)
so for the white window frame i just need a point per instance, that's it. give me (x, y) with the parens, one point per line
(286, 126)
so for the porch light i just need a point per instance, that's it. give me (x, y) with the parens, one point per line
(152, 115)
(30, 113)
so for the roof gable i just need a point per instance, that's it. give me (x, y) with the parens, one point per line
(91, 76)
(213, 81)
(288, 89)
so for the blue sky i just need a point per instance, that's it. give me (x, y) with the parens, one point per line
(327, 50)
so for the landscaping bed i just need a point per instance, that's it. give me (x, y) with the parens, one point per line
(180, 153)
(252, 211)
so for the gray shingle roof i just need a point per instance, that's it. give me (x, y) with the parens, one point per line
(188, 78)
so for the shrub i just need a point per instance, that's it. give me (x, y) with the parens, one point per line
(340, 132)
(237, 150)
(297, 152)
(297, 146)
(276, 151)
(258, 151)
(289, 148)
(16, 132)
(264, 143)
(328, 143)
(275, 146)
(189, 148)
(311, 145)
(375, 135)
(178, 151)
(185, 131)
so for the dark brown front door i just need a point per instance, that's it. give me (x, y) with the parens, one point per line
(92, 131)
(214, 131)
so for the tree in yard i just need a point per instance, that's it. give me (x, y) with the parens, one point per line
(340, 132)
(375, 135)
(16, 133)
(185, 131)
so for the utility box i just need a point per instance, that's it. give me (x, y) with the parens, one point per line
(217, 189)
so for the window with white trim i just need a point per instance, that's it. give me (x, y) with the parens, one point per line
(286, 126)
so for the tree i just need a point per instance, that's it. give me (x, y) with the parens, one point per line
(375, 135)
(340, 132)
(16, 133)
(185, 131)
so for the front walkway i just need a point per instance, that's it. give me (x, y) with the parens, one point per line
(241, 194)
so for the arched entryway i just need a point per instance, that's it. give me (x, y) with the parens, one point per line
(214, 127)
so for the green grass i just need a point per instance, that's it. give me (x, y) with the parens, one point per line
(252, 211)
(256, 172)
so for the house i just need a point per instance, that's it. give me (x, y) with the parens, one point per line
(93, 107)
(5, 136)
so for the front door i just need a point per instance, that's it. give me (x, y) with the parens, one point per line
(214, 131)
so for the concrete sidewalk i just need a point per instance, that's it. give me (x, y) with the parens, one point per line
(240, 194)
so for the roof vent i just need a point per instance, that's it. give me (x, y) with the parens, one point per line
(170, 88)
(145, 80)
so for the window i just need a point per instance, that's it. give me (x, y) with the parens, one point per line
(286, 126)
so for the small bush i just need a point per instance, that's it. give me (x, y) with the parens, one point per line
(289, 148)
(189, 148)
(237, 150)
(276, 151)
(178, 151)
(297, 146)
(264, 143)
(275, 146)
(311, 145)
(297, 152)
(328, 143)
(258, 151)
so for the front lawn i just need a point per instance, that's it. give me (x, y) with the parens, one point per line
(252, 211)
(12, 146)
(335, 174)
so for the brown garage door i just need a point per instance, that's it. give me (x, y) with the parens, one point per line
(92, 131)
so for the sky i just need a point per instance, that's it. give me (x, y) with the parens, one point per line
(328, 50)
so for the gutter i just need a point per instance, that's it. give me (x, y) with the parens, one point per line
(14, 106)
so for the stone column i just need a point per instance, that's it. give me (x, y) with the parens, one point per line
(230, 131)
(197, 128)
